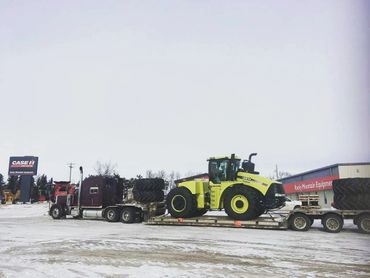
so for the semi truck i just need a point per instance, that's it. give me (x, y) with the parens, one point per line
(106, 197)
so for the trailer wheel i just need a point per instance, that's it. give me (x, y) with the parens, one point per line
(56, 211)
(128, 215)
(333, 223)
(112, 215)
(363, 223)
(299, 222)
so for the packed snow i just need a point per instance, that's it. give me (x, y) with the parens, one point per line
(35, 245)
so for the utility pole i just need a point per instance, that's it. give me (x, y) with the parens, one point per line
(70, 166)
(277, 172)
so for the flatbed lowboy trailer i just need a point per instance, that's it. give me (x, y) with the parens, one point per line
(299, 219)
(263, 222)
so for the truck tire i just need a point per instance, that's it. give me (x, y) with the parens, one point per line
(332, 223)
(299, 222)
(241, 203)
(56, 211)
(128, 215)
(181, 203)
(112, 215)
(363, 223)
(148, 196)
(151, 184)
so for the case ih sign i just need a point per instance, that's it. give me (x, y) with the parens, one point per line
(23, 165)
(319, 184)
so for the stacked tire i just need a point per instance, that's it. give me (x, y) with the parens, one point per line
(148, 190)
(352, 194)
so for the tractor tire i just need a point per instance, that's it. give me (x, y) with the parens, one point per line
(351, 186)
(241, 203)
(128, 215)
(199, 212)
(181, 203)
(148, 196)
(352, 202)
(363, 223)
(332, 223)
(112, 215)
(56, 211)
(160, 211)
(260, 210)
(299, 222)
(155, 184)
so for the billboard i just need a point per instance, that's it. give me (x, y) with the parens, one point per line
(23, 165)
(319, 184)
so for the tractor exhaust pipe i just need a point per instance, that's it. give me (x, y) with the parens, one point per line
(251, 155)
(80, 188)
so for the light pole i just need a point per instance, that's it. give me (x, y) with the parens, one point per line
(70, 166)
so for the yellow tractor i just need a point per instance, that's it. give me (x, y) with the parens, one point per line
(232, 185)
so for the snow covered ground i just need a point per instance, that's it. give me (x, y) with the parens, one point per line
(34, 245)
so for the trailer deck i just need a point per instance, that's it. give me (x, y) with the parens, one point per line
(277, 222)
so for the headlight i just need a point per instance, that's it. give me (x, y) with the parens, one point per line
(279, 195)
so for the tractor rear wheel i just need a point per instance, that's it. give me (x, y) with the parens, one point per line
(241, 204)
(181, 203)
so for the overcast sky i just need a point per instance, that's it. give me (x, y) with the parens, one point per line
(166, 84)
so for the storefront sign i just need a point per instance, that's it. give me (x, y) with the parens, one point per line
(319, 184)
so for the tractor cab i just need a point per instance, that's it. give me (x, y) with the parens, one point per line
(222, 169)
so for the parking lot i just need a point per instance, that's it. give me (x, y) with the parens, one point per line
(32, 244)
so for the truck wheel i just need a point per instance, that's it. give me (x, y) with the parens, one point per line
(111, 215)
(363, 223)
(241, 204)
(180, 203)
(128, 215)
(332, 223)
(299, 222)
(56, 211)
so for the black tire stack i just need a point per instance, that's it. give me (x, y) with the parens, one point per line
(352, 194)
(148, 190)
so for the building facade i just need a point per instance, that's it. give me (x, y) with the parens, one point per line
(319, 181)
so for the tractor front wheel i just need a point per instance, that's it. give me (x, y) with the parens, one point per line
(180, 203)
(241, 204)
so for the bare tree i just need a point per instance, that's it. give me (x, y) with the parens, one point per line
(149, 174)
(279, 174)
(105, 169)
